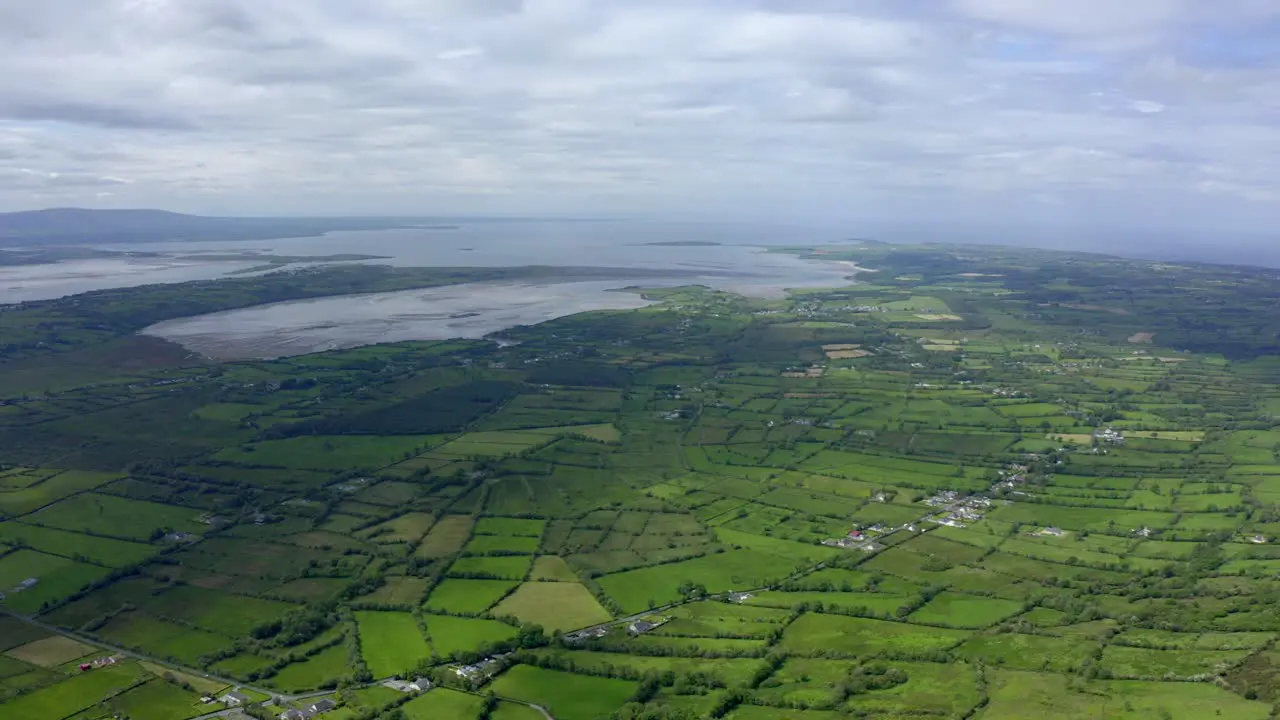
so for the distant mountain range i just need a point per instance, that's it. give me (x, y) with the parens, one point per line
(80, 226)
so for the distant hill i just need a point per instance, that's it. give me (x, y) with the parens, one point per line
(80, 226)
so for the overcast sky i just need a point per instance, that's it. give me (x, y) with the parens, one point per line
(1134, 113)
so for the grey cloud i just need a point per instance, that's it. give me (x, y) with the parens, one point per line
(106, 116)
(633, 106)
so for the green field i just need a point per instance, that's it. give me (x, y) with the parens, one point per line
(964, 611)
(467, 596)
(323, 453)
(391, 642)
(72, 695)
(157, 700)
(114, 516)
(638, 590)
(454, 634)
(99, 550)
(554, 606)
(814, 633)
(567, 696)
(496, 568)
(981, 483)
(161, 638)
(443, 703)
(327, 666)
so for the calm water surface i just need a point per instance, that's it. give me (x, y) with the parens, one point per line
(476, 310)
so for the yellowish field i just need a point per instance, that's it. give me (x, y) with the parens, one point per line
(1074, 438)
(846, 354)
(50, 652)
(1186, 435)
(553, 605)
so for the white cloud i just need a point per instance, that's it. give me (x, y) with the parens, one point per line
(971, 107)
(1080, 18)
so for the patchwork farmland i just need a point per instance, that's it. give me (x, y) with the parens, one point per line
(955, 491)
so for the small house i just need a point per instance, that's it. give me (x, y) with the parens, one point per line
(420, 685)
(296, 715)
(235, 698)
(322, 706)
(639, 627)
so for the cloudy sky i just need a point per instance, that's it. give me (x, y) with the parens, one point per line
(1134, 113)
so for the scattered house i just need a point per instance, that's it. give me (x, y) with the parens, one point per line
(296, 714)
(207, 699)
(1258, 539)
(27, 584)
(739, 597)
(104, 662)
(1143, 532)
(584, 635)
(640, 627)
(1051, 532)
(325, 705)
(420, 685)
(480, 670)
(1108, 436)
(235, 698)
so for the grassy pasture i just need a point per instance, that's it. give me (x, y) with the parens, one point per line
(716, 619)
(57, 578)
(814, 633)
(219, 612)
(398, 590)
(566, 695)
(1019, 695)
(446, 537)
(454, 634)
(1027, 652)
(520, 527)
(732, 570)
(157, 700)
(319, 452)
(390, 642)
(497, 568)
(500, 544)
(63, 484)
(554, 606)
(15, 633)
(50, 652)
(319, 670)
(1143, 663)
(443, 703)
(164, 639)
(456, 595)
(407, 528)
(70, 696)
(552, 568)
(116, 517)
(871, 602)
(731, 671)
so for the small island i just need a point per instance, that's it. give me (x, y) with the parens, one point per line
(684, 243)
